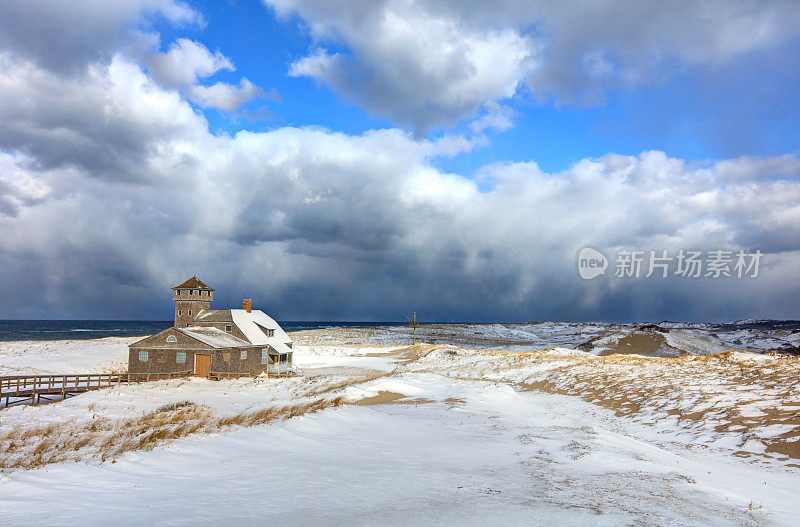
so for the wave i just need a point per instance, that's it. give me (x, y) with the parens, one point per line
(97, 330)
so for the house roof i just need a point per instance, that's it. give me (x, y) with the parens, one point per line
(254, 325)
(214, 315)
(193, 283)
(216, 338)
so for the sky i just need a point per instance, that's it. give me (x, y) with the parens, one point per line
(360, 160)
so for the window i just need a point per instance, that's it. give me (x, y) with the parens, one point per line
(180, 357)
(179, 312)
(172, 338)
(143, 356)
(270, 332)
(226, 356)
(228, 328)
(190, 312)
(243, 355)
(264, 355)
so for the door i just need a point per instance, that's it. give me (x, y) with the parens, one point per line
(202, 365)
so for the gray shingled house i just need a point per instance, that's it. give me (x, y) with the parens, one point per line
(207, 341)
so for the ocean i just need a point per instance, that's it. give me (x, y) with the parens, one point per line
(94, 329)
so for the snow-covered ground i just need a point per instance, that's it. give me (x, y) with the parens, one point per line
(663, 339)
(26, 357)
(380, 432)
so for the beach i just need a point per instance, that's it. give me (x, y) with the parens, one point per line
(447, 430)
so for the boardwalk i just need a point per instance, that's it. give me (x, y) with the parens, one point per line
(35, 388)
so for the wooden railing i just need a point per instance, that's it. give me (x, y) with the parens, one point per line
(219, 375)
(48, 387)
(281, 368)
(35, 387)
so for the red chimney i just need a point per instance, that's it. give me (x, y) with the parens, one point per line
(247, 304)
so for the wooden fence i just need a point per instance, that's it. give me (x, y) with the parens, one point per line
(219, 375)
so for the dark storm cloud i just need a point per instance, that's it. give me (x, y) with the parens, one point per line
(444, 247)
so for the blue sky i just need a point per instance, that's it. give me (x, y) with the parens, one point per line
(746, 106)
(360, 159)
(262, 48)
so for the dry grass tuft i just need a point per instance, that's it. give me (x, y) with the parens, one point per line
(107, 438)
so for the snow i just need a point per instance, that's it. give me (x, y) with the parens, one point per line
(498, 455)
(214, 337)
(474, 437)
(307, 357)
(107, 355)
(249, 322)
(599, 338)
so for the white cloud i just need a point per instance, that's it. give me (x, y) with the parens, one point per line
(107, 122)
(419, 68)
(424, 64)
(185, 62)
(496, 117)
(67, 36)
(226, 96)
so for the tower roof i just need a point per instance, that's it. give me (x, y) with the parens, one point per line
(193, 283)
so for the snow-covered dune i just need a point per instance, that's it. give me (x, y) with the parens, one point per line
(663, 339)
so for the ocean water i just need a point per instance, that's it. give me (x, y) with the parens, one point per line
(95, 329)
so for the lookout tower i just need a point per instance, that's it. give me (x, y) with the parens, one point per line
(191, 297)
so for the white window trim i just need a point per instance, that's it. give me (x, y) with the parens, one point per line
(178, 355)
(144, 354)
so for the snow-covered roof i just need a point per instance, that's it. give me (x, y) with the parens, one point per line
(254, 325)
(214, 315)
(214, 337)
